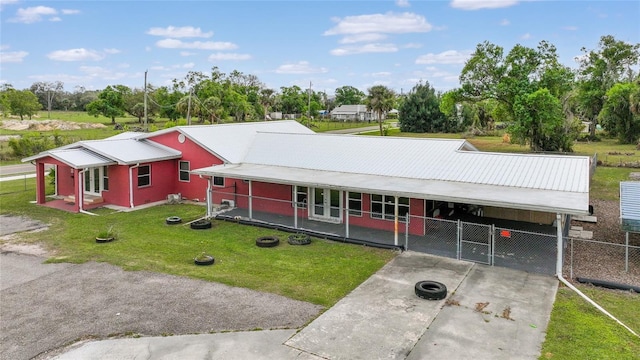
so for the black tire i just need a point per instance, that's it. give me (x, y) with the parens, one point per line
(173, 220)
(201, 224)
(101, 240)
(267, 241)
(431, 290)
(299, 240)
(208, 261)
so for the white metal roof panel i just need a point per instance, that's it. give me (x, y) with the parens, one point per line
(124, 135)
(131, 151)
(231, 141)
(479, 194)
(424, 159)
(630, 205)
(76, 158)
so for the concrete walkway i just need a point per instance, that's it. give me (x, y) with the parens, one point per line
(489, 313)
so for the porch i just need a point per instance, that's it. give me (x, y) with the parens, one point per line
(512, 244)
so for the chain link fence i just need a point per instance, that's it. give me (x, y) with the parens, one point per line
(613, 262)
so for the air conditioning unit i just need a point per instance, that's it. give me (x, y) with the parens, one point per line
(174, 198)
(230, 203)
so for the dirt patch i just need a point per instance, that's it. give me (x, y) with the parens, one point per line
(46, 125)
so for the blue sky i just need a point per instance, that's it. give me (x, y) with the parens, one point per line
(284, 43)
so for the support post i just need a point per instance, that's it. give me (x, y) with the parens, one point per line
(559, 235)
(459, 240)
(395, 220)
(346, 215)
(250, 200)
(210, 197)
(295, 206)
(40, 183)
(406, 232)
(626, 252)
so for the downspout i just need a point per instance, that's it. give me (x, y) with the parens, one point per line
(570, 286)
(131, 184)
(209, 197)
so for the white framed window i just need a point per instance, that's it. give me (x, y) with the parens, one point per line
(301, 196)
(144, 175)
(218, 181)
(355, 204)
(382, 207)
(183, 171)
(105, 178)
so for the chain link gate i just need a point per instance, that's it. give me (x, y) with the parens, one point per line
(475, 242)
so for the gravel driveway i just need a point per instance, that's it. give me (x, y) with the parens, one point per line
(47, 306)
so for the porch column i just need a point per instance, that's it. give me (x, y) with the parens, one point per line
(40, 183)
(250, 200)
(346, 214)
(295, 206)
(559, 235)
(209, 197)
(77, 189)
(395, 220)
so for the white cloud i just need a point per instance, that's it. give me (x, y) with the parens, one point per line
(33, 14)
(389, 23)
(55, 19)
(75, 55)
(112, 51)
(189, 65)
(570, 28)
(12, 56)
(228, 56)
(445, 57)
(202, 45)
(381, 74)
(481, 4)
(102, 73)
(70, 11)
(368, 48)
(352, 39)
(8, 2)
(505, 22)
(525, 36)
(301, 67)
(179, 32)
(403, 3)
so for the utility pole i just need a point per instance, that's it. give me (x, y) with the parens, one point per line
(309, 106)
(189, 108)
(146, 119)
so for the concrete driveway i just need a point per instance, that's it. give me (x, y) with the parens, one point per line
(489, 313)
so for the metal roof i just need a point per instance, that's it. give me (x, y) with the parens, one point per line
(630, 206)
(116, 151)
(349, 109)
(438, 169)
(230, 142)
(425, 159)
(78, 158)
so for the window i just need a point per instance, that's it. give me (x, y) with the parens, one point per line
(301, 196)
(184, 171)
(144, 175)
(382, 207)
(355, 204)
(105, 178)
(218, 181)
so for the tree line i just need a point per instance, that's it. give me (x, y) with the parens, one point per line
(540, 101)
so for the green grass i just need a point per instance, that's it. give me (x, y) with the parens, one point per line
(605, 184)
(81, 117)
(322, 272)
(322, 126)
(577, 330)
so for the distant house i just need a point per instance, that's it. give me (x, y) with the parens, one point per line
(351, 113)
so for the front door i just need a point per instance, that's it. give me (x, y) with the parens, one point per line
(93, 181)
(327, 205)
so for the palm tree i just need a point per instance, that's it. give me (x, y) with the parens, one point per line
(267, 98)
(380, 100)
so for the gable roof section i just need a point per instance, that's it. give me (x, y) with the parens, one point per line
(126, 151)
(349, 110)
(438, 169)
(630, 206)
(230, 142)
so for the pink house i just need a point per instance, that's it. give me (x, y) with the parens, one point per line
(283, 168)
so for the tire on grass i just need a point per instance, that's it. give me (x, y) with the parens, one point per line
(201, 224)
(431, 290)
(173, 220)
(267, 241)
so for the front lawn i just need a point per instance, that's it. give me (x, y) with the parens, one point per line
(577, 330)
(321, 273)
